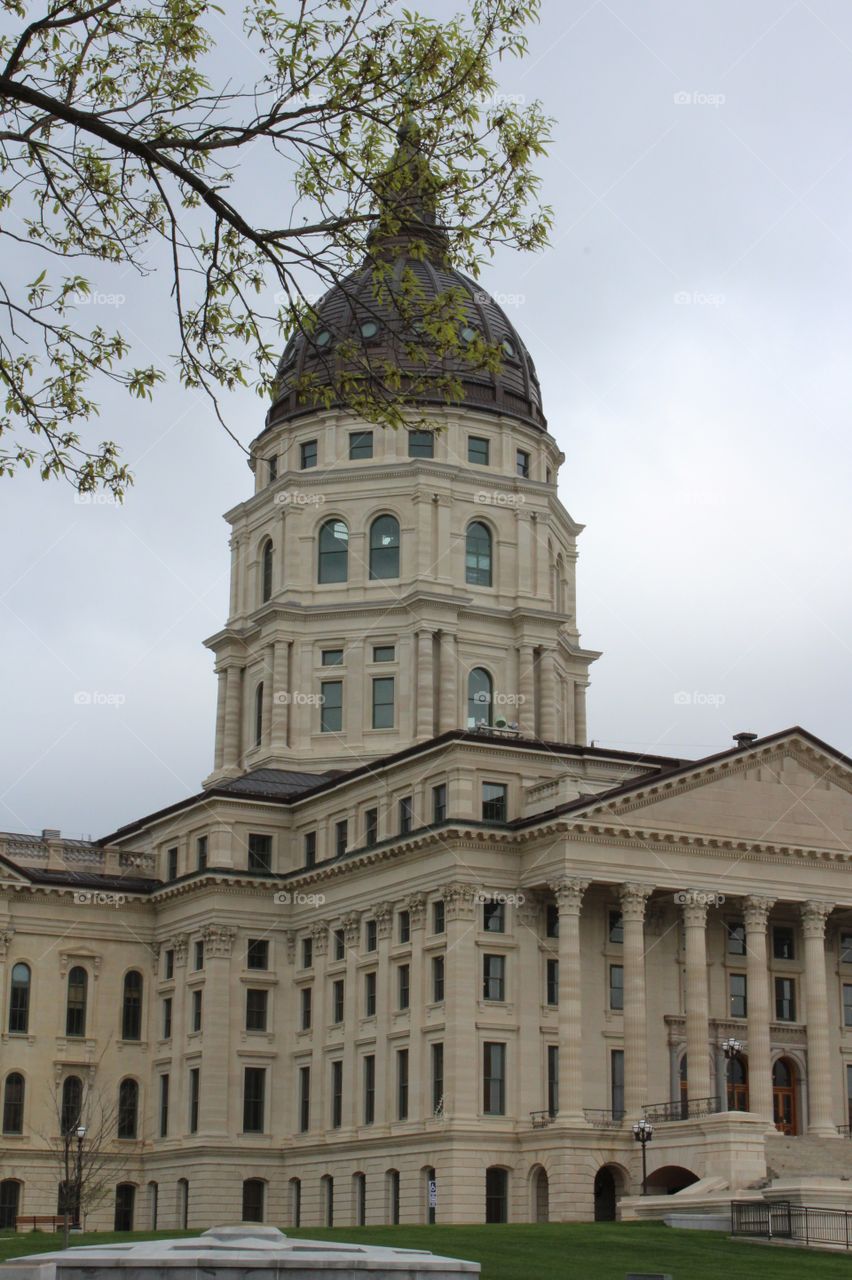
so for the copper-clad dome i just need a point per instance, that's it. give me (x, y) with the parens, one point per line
(350, 313)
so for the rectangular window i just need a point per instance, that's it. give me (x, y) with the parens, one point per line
(784, 942)
(616, 927)
(164, 1106)
(616, 987)
(371, 936)
(257, 953)
(437, 1079)
(553, 1078)
(254, 1099)
(494, 977)
(307, 454)
(369, 1088)
(304, 1099)
(553, 982)
(337, 1001)
(846, 948)
(172, 864)
(272, 469)
(167, 1018)
(402, 1084)
(384, 653)
(421, 444)
(522, 464)
(616, 1060)
(439, 802)
(306, 1006)
(371, 827)
(339, 940)
(194, 1091)
(404, 926)
(847, 1005)
(478, 451)
(785, 1000)
(551, 921)
(736, 937)
(257, 1001)
(197, 998)
(738, 995)
(369, 995)
(494, 1079)
(403, 986)
(494, 917)
(259, 853)
(360, 444)
(310, 848)
(201, 853)
(332, 657)
(331, 711)
(439, 916)
(494, 801)
(341, 837)
(199, 954)
(383, 702)
(406, 810)
(307, 952)
(438, 964)
(336, 1094)
(169, 971)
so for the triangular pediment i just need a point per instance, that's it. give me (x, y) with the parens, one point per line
(779, 792)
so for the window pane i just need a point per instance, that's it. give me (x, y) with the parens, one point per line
(333, 551)
(478, 451)
(478, 555)
(331, 711)
(384, 653)
(384, 548)
(360, 444)
(308, 454)
(383, 702)
(421, 444)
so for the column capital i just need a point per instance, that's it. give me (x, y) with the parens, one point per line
(815, 913)
(290, 941)
(695, 903)
(459, 900)
(756, 911)
(351, 925)
(569, 894)
(218, 939)
(383, 913)
(633, 898)
(179, 943)
(319, 938)
(415, 905)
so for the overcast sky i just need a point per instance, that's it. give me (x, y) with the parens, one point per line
(692, 329)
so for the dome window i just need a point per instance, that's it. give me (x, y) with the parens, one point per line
(468, 334)
(369, 329)
(323, 338)
(508, 348)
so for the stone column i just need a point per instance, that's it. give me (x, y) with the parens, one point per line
(221, 692)
(233, 700)
(527, 1078)
(697, 1008)
(385, 1097)
(462, 1059)
(755, 913)
(547, 676)
(580, 732)
(268, 682)
(526, 690)
(424, 688)
(319, 1083)
(418, 1097)
(281, 693)
(449, 691)
(569, 896)
(216, 1021)
(820, 1109)
(633, 899)
(351, 925)
(235, 577)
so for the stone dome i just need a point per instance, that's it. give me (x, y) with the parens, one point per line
(355, 330)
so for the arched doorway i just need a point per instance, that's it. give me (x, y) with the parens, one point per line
(738, 1084)
(670, 1179)
(605, 1196)
(10, 1202)
(785, 1109)
(540, 1195)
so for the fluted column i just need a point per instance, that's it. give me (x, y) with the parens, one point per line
(820, 1109)
(526, 690)
(755, 913)
(221, 691)
(547, 676)
(449, 690)
(385, 1098)
(351, 925)
(220, 1107)
(424, 692)
(233, 699)
(697, 1008)
(569, 896)
(319, 1020)
(462, 1067)
(633, 899)
(280, 696)
(419, 1100)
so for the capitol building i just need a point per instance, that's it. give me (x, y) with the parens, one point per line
(415, 951)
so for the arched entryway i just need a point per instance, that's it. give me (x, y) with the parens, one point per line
(738, 1083)
(785, 1104)
(605, 1196)
(669, 1179)
(540, 1194)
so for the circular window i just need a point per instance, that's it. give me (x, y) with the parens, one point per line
(468, 334)
(323, 338)
(508, 347)
(369, 329)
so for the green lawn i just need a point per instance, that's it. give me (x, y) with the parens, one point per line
(602, 1251)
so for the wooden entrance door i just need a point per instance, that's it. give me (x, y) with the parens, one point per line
(784, 1104)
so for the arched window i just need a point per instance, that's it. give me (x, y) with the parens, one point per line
(19, 999)
(258, 714)
(384, 547)
(128, 1108)
(254, 1190)
(333, 552)
(72, 1103)
(13, 1103)
(131, 1006)
(75, 1012)
(480, 697)
(478, 557)
(266, 561)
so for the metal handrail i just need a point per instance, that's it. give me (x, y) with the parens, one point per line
(600, 1118)
(682, 1109)
(780, 1218)
(541, 1119)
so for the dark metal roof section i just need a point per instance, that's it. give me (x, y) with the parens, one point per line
(350, 311)
(277, 783)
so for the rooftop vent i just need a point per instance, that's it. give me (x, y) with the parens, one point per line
(51, 833)
(745, 739)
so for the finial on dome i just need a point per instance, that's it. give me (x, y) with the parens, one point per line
(407, 192)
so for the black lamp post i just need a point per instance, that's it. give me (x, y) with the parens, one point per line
(78, 1196)
(643, 1132)
(731, 1048)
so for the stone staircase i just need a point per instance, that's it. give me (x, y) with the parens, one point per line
(808, 1157)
